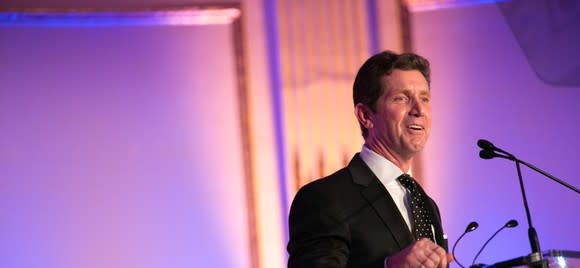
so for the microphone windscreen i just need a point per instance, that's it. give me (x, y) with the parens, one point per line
(484, 144)
(486, 154)
(471, 226)
(511, 224)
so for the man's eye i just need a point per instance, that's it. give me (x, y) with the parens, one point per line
(426, 99)
(400, 98)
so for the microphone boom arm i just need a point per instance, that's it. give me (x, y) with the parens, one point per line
(561, 182)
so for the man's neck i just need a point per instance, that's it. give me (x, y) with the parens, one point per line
(403, 163)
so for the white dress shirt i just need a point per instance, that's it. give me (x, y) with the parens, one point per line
(388, 173)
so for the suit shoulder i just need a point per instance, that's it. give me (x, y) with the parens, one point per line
(340, 179)
(330, 194)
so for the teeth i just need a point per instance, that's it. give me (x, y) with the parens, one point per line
(417, 127)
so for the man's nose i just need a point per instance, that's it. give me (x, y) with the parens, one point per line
(417, 107)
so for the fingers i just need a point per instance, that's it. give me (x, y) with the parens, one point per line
(436, 257)
(430, 254)
(422, 253)
(442, 256)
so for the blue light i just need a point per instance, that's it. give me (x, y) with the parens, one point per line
(119, 18)
(444, 4)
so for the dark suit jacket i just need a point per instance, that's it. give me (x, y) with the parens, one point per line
(348, 219)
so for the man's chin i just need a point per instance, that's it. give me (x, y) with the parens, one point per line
(416, 147)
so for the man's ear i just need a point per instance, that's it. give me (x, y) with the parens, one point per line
(363, 115)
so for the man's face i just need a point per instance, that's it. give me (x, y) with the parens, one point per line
(402, 121)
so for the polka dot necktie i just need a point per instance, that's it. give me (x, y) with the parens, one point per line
(421, 219)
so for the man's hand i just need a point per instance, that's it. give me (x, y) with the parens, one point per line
(422, 253)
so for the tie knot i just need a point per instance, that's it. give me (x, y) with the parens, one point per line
(407, 181)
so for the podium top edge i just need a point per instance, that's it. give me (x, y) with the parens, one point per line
(561, 253)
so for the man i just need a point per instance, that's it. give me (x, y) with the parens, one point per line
(362, 215)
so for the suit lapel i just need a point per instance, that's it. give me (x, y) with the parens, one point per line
(436, 218)
(380, 200)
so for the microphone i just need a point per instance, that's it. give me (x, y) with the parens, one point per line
(484, 154)
(510, 224)
(489, 151)
(470, 227)
(485, 144)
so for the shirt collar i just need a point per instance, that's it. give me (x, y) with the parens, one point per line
(385, 170)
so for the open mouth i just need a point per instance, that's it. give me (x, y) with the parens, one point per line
(415, 127)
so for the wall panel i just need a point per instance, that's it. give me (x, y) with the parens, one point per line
(121, 144)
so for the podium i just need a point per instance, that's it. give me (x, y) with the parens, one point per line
(554, 259)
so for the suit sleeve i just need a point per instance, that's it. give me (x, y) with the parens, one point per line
(318, 238)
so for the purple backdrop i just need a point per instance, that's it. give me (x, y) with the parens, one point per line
(484, 87)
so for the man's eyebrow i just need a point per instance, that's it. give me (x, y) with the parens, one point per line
(401, 90)
(407, 91)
